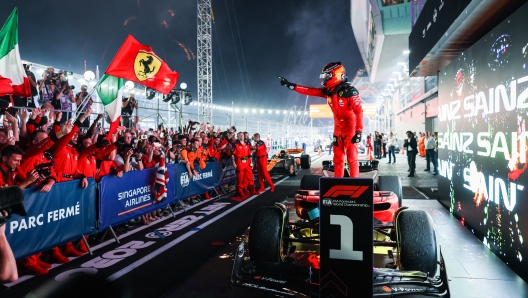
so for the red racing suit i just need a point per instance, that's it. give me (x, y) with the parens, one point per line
(34, 156)
(244, 173)
(345, 104)
(262, 164)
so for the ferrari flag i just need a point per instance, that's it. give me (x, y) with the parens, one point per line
(138, 63)
(13, 78)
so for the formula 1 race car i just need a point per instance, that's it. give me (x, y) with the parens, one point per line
(283, 257)
(387, 197)
(286, 163)
(365, 165)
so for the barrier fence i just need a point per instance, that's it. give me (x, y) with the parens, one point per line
(68, 212)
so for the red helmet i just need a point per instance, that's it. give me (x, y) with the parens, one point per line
(333, 74)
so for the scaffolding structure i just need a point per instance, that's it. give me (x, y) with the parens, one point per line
(205, 62)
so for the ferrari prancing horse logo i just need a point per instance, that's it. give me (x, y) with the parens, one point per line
(146, 65)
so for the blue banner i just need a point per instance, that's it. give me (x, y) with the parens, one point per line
(170, 184)
(53, 218)
(227, 172)
(186, 187)
(122, 199)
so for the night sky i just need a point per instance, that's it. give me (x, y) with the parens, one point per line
(253, 41)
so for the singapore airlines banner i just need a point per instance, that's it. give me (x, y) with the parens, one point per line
(483, 142)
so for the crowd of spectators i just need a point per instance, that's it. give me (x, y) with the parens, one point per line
(43, 146)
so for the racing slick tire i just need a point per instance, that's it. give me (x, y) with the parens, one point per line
(288, 165)
(391, 183)
(310, 182)
(416, 241)
(306, 161)
(265, 236)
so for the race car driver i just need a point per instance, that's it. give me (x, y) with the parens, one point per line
(345, 104)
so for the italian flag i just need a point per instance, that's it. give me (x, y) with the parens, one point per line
(13, 79)
(110, 92)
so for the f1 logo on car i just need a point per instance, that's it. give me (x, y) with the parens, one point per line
(345, 190)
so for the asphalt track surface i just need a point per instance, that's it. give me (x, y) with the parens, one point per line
(145, 265)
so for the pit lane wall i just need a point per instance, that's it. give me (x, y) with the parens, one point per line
(483, 142)
(68, 212)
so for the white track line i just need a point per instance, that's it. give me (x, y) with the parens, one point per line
(167, 246)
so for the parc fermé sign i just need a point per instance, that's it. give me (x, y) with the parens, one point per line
(346, 247)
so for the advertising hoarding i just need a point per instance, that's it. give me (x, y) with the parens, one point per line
(482, 112)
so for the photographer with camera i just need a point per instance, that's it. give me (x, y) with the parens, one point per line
(127, 110)
(47, 87)
(65, 101)
(37, 157)
(10, 158)
(30, 101)
(128, 159)
(80, 98)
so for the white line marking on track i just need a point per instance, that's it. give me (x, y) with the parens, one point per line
(160, 250)
(110, 241)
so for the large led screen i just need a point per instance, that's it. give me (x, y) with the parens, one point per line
(482, 139)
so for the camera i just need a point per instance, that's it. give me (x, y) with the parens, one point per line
(71, 87)
(44, 169)
(144, 137)
(11, 198)
(4, 107)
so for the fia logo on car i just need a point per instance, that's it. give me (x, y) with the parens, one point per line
(184, 179)
(327, 202)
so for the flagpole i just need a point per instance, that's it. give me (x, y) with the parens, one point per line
(85, 101)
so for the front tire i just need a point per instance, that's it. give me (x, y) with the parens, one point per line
(306, 161)
(265, 236)
(416, 241)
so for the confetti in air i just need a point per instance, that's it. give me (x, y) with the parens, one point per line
(171, 12)
(129, 19)
(164, 23)
(188, 52)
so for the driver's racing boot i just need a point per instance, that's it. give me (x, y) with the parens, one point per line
(252, 190)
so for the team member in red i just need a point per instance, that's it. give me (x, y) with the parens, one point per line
(36, 155)
(65, 155)
(345, 104)
(262, 163)
(243, 165)
(10, 175)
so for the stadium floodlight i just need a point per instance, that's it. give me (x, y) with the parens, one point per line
(149, 93)
(89, 75)
(173, 97)
(187, 98)
(129, 85)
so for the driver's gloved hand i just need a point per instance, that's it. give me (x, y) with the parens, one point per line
(287, 84)
(356, 138)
